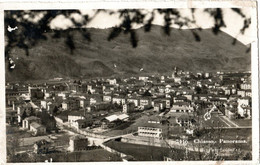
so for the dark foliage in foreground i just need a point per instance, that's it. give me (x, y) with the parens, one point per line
(30, 32)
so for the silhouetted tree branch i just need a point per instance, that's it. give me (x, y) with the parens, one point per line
(32, 25)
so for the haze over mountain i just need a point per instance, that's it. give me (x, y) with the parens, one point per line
(156, 53)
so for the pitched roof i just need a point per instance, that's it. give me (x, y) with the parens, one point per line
(186, 116)
(152, 125)
(180, 98)
(122, 116)
(32, 118)
(181, 103)
(36, 125)
(154, 118)
(77, 137)
(177, 107)
(111, 118)
(172, 120)
(116, 117)
(81, 120)
(33, 105)
(80, 113)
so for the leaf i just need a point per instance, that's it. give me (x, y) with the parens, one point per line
(69, 42)
(148, 25)
(196, 35)
(86, 35)
(239, 12)
(114, 33)
(133, 37)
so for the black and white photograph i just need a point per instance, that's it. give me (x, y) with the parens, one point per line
(130, 84)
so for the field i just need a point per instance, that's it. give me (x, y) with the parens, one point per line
(215, 121)
(152, 153)
(22, 141)
(13, 136)
(233, 132)
(12, 131)
(243, 122)
(139, 152)
(146, 153)
(81, 156)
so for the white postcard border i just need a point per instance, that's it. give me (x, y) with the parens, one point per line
(112, 4)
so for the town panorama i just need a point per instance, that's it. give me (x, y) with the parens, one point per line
(182, 116)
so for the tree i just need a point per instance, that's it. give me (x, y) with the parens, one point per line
(54, 110)
(30, 32)
(198, 90)
(11, 149)
(147, 93)
(47, 120)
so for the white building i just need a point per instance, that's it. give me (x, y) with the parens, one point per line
(27, 121)
(72, 119)
(241, 93)
(78, 143)
(143, 78)
(245, 86)
(181, 108)
(112, 81)
(64, 95)
(151, 130)
(82, 103)
(243, 107)
(44, 104)
(107, 98)
(112, 118)
(118, 100)
(37, 128)
(145, 102)
(133, 100)
(64, 105)
(92, 101)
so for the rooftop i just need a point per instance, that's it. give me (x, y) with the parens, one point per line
(152, 125)
(77, 137)
(32, 118)
(36, 125)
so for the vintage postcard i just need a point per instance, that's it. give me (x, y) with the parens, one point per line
(119, 81)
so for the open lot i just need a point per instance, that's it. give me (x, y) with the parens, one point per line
(61, 139)
(13, 138)
(83, 156)
(139, 152)
(243, 122)
(150, 153)
(97, 155)
(23, 141)
(15, 131)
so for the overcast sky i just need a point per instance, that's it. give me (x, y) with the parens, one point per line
(234, 22)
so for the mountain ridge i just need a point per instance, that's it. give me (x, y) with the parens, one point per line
(156, 53)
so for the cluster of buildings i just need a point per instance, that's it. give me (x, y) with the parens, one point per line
(105, 103)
